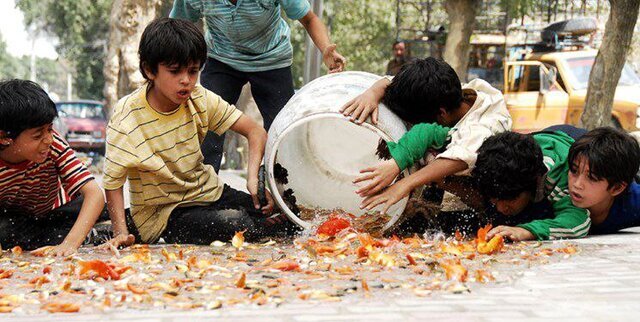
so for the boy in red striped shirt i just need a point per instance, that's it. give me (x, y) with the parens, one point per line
(47, 195)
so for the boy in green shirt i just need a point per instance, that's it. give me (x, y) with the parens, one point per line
(515, 170)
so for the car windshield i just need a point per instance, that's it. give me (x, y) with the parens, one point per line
(82, 110)
(581, 67)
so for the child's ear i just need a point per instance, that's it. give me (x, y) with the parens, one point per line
(150, 75)
(618, 188)
(4, 139)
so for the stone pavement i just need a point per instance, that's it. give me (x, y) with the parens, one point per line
(601, 283)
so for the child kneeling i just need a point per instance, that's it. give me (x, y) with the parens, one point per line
(154, 138)
(47, 195)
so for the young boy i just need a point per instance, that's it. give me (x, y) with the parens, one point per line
(154, 138)
(602, 167)
(515, 171)
(47, 196)
(428, 91)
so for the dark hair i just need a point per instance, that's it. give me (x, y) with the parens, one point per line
(611, 154)
(171, 41)
(24, 105)
(421, 88)
(395, 43)
(508, 164)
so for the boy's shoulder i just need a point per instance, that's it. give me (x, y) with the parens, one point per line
(124, 112)
(554, 145)
(482, 86)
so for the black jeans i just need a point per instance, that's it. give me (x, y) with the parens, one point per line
(271, 90)
(233, 212)
(30, 232)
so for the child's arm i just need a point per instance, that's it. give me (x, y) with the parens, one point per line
(115, 206)
(410, 148)
(318, 33)
(569, 222)
(366, 103)
(435, 171)
(91, 208)
(257, 137)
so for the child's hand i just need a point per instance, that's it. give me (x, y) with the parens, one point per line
(63, 250)
(512, 233)
(381, 176)
(121, 240)
(333, 60)
(252, 187)
(361, 107)
(388, 197)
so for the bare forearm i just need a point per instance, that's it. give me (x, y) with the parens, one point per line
(317, 31)
(435, 172)
(89, 212)
(115, 205)
(379, 87)
(257, 139)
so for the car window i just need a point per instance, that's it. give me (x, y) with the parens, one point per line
(82, 110)
(558, 75)
(524, 78)
(580, 68)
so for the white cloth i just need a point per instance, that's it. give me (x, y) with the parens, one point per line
(487, 116)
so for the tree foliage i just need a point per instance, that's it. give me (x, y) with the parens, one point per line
(49, 73)
(82, 28)
(364, 31)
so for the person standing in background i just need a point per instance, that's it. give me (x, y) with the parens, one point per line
(398, 60)
(249, 41)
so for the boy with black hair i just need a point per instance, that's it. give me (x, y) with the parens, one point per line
(602, 167)
(154, 138)
(455, 120)
(47, 195)
(517, 170)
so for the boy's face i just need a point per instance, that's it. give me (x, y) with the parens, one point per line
(31, 145)
(514, 206)
(587, 191)
(175, 83)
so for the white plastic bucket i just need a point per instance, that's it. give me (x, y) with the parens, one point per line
(323, 151)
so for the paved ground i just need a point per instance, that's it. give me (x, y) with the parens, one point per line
(600, 283)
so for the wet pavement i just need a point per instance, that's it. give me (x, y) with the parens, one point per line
(596, 278)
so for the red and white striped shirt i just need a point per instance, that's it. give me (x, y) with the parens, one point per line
(37, 188)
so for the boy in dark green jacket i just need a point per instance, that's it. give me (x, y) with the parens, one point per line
(514, 170)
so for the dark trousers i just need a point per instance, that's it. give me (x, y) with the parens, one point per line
(202, 225)
(271, 90)
(30, 232)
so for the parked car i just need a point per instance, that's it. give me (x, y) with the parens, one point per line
(60, 125)
(550, 88)
(86, 122)
(545, 80)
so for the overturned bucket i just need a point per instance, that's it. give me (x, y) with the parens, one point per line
(314, 153)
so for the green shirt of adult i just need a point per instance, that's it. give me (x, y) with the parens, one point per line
(252, 36)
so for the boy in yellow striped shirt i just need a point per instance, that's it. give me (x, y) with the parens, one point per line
(153, 140)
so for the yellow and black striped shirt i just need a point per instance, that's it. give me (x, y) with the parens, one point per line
(159, 153)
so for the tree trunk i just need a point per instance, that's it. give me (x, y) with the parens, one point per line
(127, 22)
(607, 68)
(462, 17)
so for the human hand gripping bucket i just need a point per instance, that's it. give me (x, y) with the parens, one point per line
(314, 153)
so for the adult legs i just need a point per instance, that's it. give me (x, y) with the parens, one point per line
(226, 82)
